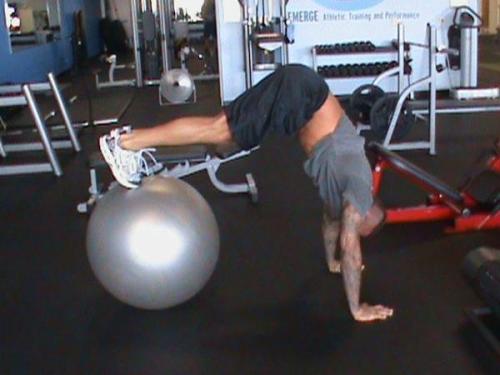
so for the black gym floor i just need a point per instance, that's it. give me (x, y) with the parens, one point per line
(271, 306)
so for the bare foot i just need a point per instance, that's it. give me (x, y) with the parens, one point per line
(368, 313)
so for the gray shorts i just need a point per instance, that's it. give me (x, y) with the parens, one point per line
(339, 168)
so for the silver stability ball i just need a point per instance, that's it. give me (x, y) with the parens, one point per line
(176, 86)
(155, 246)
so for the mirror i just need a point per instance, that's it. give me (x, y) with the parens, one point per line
(32, 22)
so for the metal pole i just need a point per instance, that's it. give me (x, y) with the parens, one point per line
(466, 57)
(283, 21)
(42, 130)
(246, 43)
(137, 46)
(164, 10)
(432, 88)
(401, 56)
(103, 9)
(3, 153)
(64, 113)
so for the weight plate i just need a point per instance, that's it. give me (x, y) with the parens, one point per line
(381, 114)
(177, 86)
(362, 100)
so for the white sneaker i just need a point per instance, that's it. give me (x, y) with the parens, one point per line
(128, 167)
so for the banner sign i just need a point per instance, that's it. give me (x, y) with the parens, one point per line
(348, 4)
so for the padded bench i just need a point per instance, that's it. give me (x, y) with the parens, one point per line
(181, 161)
(408, 168)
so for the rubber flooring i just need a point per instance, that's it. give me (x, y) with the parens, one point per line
(271, 306)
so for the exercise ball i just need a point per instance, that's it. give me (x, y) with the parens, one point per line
(153, 247)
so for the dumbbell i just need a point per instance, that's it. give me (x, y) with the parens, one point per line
(363, 47)
(343, 70)
(337, 71)
(378, 68)
(349, 70)
(370, 70)
(327, 71)
(363, 68)
(356, 70)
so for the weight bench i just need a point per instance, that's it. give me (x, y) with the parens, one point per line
(418, 175)
(181, 161)
(444, 202)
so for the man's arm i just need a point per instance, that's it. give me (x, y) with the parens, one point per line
(331, 231)
(352, 266)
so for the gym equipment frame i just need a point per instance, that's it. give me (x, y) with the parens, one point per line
(463, 100)
(21, 95)
(184, 161)
(113, 66)
(444, 202)
(260, 36)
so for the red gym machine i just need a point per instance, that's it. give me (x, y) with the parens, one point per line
(444, 202)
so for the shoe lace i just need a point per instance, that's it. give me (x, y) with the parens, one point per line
(134, 164)
(146, 162)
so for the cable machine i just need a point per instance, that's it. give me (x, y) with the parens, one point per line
(266, 34)
(151, 38)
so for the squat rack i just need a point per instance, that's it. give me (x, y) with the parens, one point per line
(432, 106)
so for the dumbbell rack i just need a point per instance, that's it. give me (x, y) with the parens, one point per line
(341, 71)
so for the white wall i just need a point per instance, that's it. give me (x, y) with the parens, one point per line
(329, 22)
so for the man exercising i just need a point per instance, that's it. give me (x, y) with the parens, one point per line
(292, 100)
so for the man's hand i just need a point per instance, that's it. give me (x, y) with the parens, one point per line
(368, 313)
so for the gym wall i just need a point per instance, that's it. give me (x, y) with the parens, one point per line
(334, 21)
(33, 64)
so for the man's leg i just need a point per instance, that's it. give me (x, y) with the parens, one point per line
(182, 131)
(352, 266)
(127, 151)
(331, 231)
